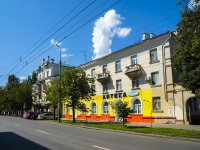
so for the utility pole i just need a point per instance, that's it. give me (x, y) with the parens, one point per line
(59, 89)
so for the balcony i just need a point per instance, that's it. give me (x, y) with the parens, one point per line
(103, 77)
(133, 70)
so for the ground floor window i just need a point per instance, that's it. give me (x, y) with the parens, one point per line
(105, 108)
(137, 106)
(156, 103)
(67, 109)
(93, 108)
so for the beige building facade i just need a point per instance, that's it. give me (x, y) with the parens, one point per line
(141, 75)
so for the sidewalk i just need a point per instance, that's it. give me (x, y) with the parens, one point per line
(175, 126)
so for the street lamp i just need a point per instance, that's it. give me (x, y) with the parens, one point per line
(59, 90)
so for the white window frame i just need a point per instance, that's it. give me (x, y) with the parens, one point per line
(105, 109)
(156, 104)
(153, 56)
(104, 68)
(155, 78)
(134, 60)
(93, 73)
(105, 87)
(67, 109)
(93, 108)
(138, 107)
(135, 81)
(118, 85)
(118, 65)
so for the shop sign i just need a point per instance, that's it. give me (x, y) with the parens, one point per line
(133, 93)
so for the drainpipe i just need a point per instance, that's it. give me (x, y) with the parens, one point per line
(163, 59)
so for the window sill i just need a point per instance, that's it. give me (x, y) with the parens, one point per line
(118, 71)
(157, 111)
(157, 85)
(135, 88)
(153, 62)
(105, 93)
(119, 91)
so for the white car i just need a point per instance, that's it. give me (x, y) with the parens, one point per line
(46, 116)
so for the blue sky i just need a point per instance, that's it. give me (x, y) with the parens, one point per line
(28, 28)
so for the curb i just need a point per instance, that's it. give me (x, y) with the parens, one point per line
(134, 133)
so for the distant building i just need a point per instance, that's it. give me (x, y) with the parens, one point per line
(45, 73)
(141, 75)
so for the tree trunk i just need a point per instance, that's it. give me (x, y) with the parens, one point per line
(54, 112)
(73, 107)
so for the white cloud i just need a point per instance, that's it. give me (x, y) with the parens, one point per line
(105, 28)
(22, 78)
(54, 42)
(63, 49)
(63, 55)
(123, 32)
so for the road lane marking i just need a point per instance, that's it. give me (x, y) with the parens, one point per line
(42, 132)
(17, 125)
(100, 147)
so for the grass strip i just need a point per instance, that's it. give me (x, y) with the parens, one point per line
(140, 129)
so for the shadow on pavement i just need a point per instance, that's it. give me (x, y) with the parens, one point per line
(12, 141)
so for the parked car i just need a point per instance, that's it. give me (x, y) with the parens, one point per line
(28, 115)
(46, 116)
(34, 116)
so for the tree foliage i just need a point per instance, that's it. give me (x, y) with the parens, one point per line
(122, 110)
(15, 95)
(52, 94)
(75, 86)
(187, 56)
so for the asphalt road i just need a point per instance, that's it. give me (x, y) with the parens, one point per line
(22, 134)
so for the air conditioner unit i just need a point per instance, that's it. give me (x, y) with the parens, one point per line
(147, 78)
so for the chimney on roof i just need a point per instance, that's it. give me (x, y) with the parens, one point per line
(145, 36)
(48, 59)
(152, 35)
(52, 61)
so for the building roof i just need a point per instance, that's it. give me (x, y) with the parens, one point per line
(128, 47)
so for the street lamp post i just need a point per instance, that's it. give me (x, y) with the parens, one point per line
(59, 90)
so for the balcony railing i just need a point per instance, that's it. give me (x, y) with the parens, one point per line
(103, 77)
(133, 70)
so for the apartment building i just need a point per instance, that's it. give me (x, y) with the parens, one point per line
(141, 75)
(49, 70)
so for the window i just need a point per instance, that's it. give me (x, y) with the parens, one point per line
(135, 82)
(105, 88)
(67, 109)
(93, 108)
(134, 60)
(156, 103)
(153, 56)
(137, 106)
(105, 108)
(47, 73)
(93, 88)
(83, 108)
(118, 65)
(119, 85)
(104, 68)
(93, 73)
(155, 78)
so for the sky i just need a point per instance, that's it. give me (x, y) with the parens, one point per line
(83, 30)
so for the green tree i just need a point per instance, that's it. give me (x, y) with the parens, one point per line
(122, 110)
(187, 56)
(76, 86)
(52, 94)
